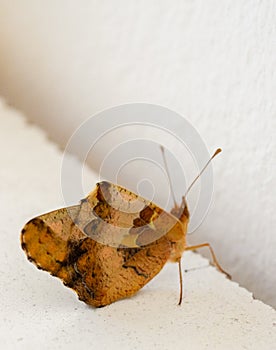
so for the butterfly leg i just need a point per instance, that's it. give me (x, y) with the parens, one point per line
(181, 282)
(215, 261)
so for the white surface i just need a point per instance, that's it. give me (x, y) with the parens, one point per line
(213, 62)
(37, 311)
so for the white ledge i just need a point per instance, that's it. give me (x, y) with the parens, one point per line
(37, 311)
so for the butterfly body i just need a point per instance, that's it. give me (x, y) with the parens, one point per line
(109, 246)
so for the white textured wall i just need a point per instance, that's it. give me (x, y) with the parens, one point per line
(211, 61)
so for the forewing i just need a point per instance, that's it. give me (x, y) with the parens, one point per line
(115, 216)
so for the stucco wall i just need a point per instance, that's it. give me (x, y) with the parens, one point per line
(211, 61)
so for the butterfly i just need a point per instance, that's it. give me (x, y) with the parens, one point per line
(111, 244)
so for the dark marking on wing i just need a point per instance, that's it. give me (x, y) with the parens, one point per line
(146, 214)
(103, 191)
(136, 270)
(127, 252)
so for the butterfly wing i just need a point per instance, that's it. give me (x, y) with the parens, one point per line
(48, 240)
(105, 274)
(106, 248)
(115, 216)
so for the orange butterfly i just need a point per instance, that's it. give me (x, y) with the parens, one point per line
(111, 244)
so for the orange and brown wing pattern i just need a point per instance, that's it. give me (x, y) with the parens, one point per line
(48, 241)
(120, 217)
(107, 247)
(105, 274)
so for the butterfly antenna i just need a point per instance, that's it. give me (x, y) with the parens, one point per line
(167, 171)
(200, 173)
